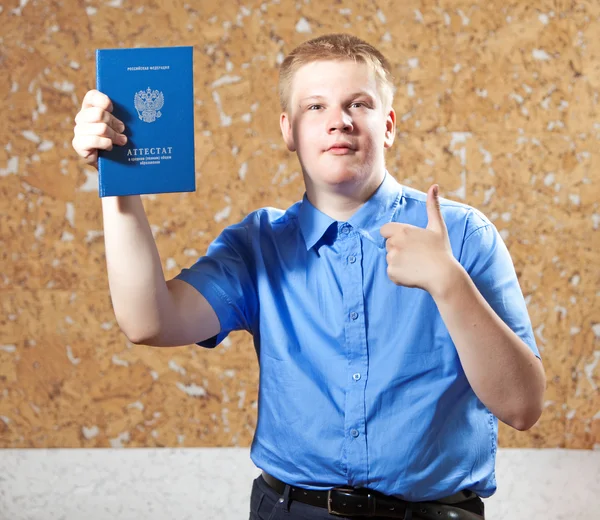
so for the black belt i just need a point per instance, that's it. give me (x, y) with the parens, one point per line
(342, 501)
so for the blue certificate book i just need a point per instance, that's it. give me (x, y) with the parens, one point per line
(152, 92)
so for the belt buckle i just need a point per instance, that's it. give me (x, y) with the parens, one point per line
(338, 494)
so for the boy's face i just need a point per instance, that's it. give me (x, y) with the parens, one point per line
(338, 103)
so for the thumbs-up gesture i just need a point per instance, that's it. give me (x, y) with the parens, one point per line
(418, 257)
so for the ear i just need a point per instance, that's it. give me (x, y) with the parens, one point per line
(390, 129)
(285, 124)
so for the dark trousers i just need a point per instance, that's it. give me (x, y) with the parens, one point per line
(267, 504)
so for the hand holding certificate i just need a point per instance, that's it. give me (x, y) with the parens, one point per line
(150, 92)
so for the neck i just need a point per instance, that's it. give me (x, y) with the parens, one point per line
(341, 201)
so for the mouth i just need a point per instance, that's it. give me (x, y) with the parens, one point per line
(341, 149)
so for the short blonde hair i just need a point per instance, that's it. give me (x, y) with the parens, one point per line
(336, 47)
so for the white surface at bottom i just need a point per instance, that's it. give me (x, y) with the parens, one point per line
(215, 483)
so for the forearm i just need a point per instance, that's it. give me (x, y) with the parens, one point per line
(503, 372)
(135, 275)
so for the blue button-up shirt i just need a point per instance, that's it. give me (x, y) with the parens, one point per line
(360, 382)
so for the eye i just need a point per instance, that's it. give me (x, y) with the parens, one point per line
(358, 104)
(314, 107)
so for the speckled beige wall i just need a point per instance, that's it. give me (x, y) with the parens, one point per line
(497, 102)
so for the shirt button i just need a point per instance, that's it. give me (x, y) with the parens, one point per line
(345, 230)
(351, 259)
(356, 376)
(354, 433)
(354, 315)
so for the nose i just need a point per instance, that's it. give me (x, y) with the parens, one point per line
(340, 120)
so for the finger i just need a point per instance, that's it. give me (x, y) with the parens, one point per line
(92, 158)
(101, 130)
(435, 221)
(95, 98)
(392, 229)
(99, 115)
(85, 145)
(387, 230)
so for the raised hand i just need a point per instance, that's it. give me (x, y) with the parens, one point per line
(96, 128)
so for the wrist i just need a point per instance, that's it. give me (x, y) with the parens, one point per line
(451, 276)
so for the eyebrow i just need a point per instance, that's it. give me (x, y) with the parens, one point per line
(353, 95)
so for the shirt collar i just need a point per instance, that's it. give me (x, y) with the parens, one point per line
(373, 214)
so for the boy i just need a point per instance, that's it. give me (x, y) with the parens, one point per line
(389, 325)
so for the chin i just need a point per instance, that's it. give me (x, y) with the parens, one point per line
(339, 172)
(336, 170)
(337, 175)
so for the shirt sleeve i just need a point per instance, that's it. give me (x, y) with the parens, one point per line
(486, 258)
(224, 277)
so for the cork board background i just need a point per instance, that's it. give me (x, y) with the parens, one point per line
(497, 101)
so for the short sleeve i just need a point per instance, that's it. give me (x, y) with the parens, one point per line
(224, 277)
(486, 258)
